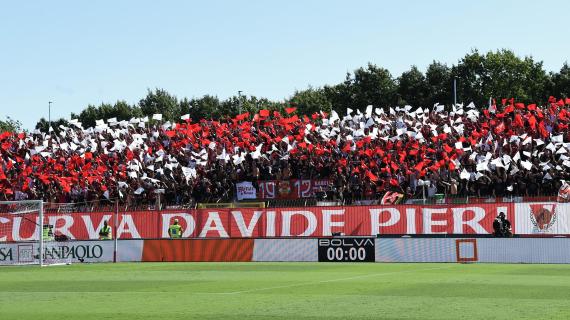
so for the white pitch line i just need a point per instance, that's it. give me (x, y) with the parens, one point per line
(322, 281)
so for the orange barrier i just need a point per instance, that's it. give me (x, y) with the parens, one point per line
(207, 250)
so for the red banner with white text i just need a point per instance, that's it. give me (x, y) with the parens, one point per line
(277, 222)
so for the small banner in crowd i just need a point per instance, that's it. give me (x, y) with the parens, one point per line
(245, 190)
(564, 192)
(392, 197)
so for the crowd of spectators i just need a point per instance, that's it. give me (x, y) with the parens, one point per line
(504, 149)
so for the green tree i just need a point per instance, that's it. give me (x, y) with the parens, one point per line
(160, 101)
(500, 74)
(10, 125)
(413, 88)
(439, 84)
(43, 125)
(120, 110)
(373, 85)
(207, 107)
(561, 82)
(310, 101)
(340, 95)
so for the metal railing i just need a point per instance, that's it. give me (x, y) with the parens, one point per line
(279, 203)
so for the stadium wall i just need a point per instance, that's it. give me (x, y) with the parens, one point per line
(451, 250)
(544, 218)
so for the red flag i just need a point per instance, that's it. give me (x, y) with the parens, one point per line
(419, 166)
(242, 116)
(542, 130)
(532, 122)
(520, 105)
(130, 155)
(518, 121)
(290, 110)
(500, 128)
(567, 101)
(531, 107)
(371, 176)
(394, 166)
(264, 113)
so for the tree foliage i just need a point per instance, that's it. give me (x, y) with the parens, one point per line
(10, 125)
(43, 125)
(495, 74)
(561, 82)
(311, 100)
(500, 74)
(120, 110)
(413, 88)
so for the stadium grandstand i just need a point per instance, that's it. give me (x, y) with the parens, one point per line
(282, 160)
(508, 149)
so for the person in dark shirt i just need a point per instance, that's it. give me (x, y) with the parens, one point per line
(502, 226)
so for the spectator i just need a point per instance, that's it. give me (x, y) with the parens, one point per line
(516, 150)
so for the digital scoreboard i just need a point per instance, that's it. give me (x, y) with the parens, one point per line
(346, 250)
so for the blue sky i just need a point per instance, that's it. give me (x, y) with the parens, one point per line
(77, 53)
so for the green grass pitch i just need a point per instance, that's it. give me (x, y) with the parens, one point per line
(285, 291)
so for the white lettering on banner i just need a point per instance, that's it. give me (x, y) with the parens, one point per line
(310, 221)
(459, 215)
(267, 189)
(304, 189)
(68, 222)
(286, 223)
(214, 217)
(127, 225)
(188, 218)
(328, 224)
(16, 230)
(246, 231)
(91, 231)
(375, 219)
(270, 223)
(4, 221)
(411, 221)
(429, 222)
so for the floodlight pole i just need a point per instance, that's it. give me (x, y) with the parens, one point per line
(49, 114)
(454, 91)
